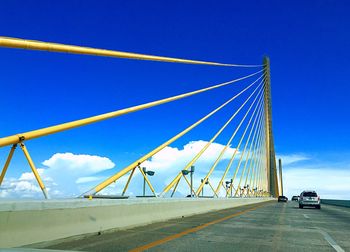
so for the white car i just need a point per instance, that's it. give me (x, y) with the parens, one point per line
(309, 198)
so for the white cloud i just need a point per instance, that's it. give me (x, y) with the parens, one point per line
(170, 161)
(63, 176)
(78, 164)
(301, 172)
(329, 182)
(67, 174)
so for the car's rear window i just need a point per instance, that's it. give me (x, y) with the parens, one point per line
(310, 194)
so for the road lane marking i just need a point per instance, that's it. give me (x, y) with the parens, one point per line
(306, 216)
(331, 241)
(192, 230)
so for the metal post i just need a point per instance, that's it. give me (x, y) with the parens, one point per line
(144, 181)
(281, 180)
(192, 171)
(202, 187)
(270, 156)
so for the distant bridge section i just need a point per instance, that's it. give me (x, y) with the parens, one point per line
(334, 202)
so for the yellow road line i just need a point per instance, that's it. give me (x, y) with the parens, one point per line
(191, 230)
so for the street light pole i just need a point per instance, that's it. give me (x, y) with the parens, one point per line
(150, 173)
(144, 181)
(192, 171)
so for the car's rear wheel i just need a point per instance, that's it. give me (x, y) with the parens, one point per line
(301, 206)
(318, 207)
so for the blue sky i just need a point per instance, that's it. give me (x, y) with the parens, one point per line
(307, 42)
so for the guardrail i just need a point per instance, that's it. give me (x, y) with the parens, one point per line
(28, 222)
(343, 203)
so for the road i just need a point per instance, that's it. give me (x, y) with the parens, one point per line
(261, 227)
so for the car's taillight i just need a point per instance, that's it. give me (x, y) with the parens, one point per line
(318, 197)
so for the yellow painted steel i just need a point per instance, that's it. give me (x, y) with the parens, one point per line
(34, 170)
(7, 163)
(212, 188)
(255, 157)
(251, 160)
(188, 183)
(235, 152)
(260, 167)
(17, 138)
(128, 182)
(210, 185)
(225, 148)
(245, 147)
(261, 163)
(248, 154)
(252, 150)
(189, 164)
(252, 164)
(259, 154)
(162, 146)
(254, 115)
(73, 49)
(172, 194)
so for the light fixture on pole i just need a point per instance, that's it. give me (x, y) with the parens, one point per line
(186, 172)
(149, 173)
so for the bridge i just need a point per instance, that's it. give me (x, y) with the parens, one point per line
(246, 189)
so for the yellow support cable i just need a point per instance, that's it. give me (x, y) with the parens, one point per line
(248, 155)
(224, 149)
(73, 49)
(252, 151)
(261, 165)
(8, 160)
(119, 174)
(251, 166)
(261, 162)
(245, 146)
(189, 164)
(17, 138)
(34, 170)
(234, 153)
(172, 194)
(188, 183)
(128, 182)
(259, 151)
(255, 159)
(210, 185)
(254, 115)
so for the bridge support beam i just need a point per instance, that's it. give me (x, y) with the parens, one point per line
(271, 158)
(281, 180)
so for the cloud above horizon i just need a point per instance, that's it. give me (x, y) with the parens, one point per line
(69, 175)
(62, 174)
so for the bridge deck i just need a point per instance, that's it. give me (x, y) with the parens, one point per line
(259, 227)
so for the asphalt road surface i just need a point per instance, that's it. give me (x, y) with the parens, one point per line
(260, 227)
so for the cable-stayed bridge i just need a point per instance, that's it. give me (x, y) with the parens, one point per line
(250, 176)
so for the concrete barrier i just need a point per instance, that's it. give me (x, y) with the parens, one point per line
(27, 222)
(343, 203)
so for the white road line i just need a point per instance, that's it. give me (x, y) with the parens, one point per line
(306, 216)
(332, 242)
